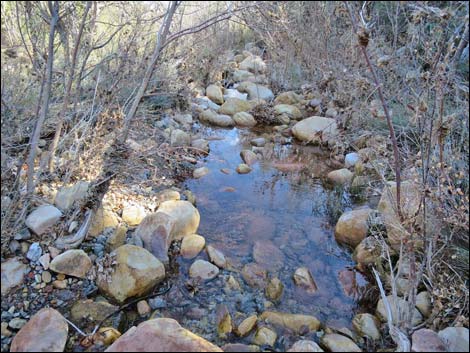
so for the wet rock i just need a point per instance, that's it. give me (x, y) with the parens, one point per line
(200, 144)
(133, 214)
(249, 157)
(34, 252)
(232, 284)
(456, 339)
(255, 275)
(274, 289)
(425, 340)
(161, 335)
(216, 257)
(66, 196)
(117, 239)
(179, 138)
(46, 331)
(243, 169)
(316, 129)
(254, 64)
(398, 309)
(268, 255)
(214, 93)
(295, 322)
(233, 106)
(258, 142)
(240, 347)
(143, 308)
(247, 325)
(338, 343)
(367, 252)
(233, 93)
(303, 278)
(423, 303)
(106, 336)
(92, 311)
(289, 97)
(410, 203)
(289, 110)
(104, 218)
(200, 172)
(192, 245)
(203, 270)
(224, 320)
(244, 119)
(12, 274)
(265, 337)
(340, 177)
(72, 262)
(367, 325)
(136, 272)
(351, 159)
(43, 218)
(352, 227)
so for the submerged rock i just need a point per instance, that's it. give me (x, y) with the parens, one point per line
(303, 278)
(161, 335)
(224, 320)
(274, 289)
(243, 169)
(247, 325)
(265, 337)
(203, 270)
(295, 322)
(338, 343)
(200, 172)
(268, 255)
(46, 331)
(216, 257)
(255, 275)
(136, 272)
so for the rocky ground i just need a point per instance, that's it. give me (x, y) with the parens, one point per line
(80, 281)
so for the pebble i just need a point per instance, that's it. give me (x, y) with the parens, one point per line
(5, 332)
(157, 303)
(34, 252)
(23, 234)
(143, 308)
(17, 323)
(46, 277)
(45, 260)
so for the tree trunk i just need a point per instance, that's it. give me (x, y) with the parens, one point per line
(54, 10)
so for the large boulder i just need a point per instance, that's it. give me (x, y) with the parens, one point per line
(289, 97)
(136, 272)
(66, 196)
(73, 262)
(410, 200)
(352, 227)
(43, 218)
(161, 335)
(235, 105)
(215, 94)
(210, 117)
(294, 322)
(291, 111)
(46, 331)
(316, 129)
(12, 274)
(256, 91)
(253, 63)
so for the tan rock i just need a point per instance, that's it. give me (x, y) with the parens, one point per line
(92, 311)
(72, 263)
(352, 227)
(200, 172)
(143, 308)
(247, 325)
(398, 308)
(243, 169)
(161, 335)
(179, 138)
(215, 94)
(224, 320)
(294, 322)
(192, 245)
(289, 97)
(255, 275)
(216, 257)
(133, 214)
(43, 218)
(316, 129)
(117, 239)
(338, 343)
(136, 272)
(103, 218)
(66, 196)
(367, 325)
(249, 157)
(223, 119)
(203, 270)
(256, 91)
(289, 110)
(367, 252)
(423, 303)
(303, 278)
(274, 289)
(46, 331)
(305, 346)
(185, 217)
(244, 119)
(340, 177)
(253, 63)
(265, 337)
(235, 105)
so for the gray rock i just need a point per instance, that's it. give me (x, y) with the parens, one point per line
(66, 196)
(42, 218)
(455, 339)
(34, 252)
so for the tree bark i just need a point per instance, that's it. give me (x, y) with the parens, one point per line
(54, 11)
